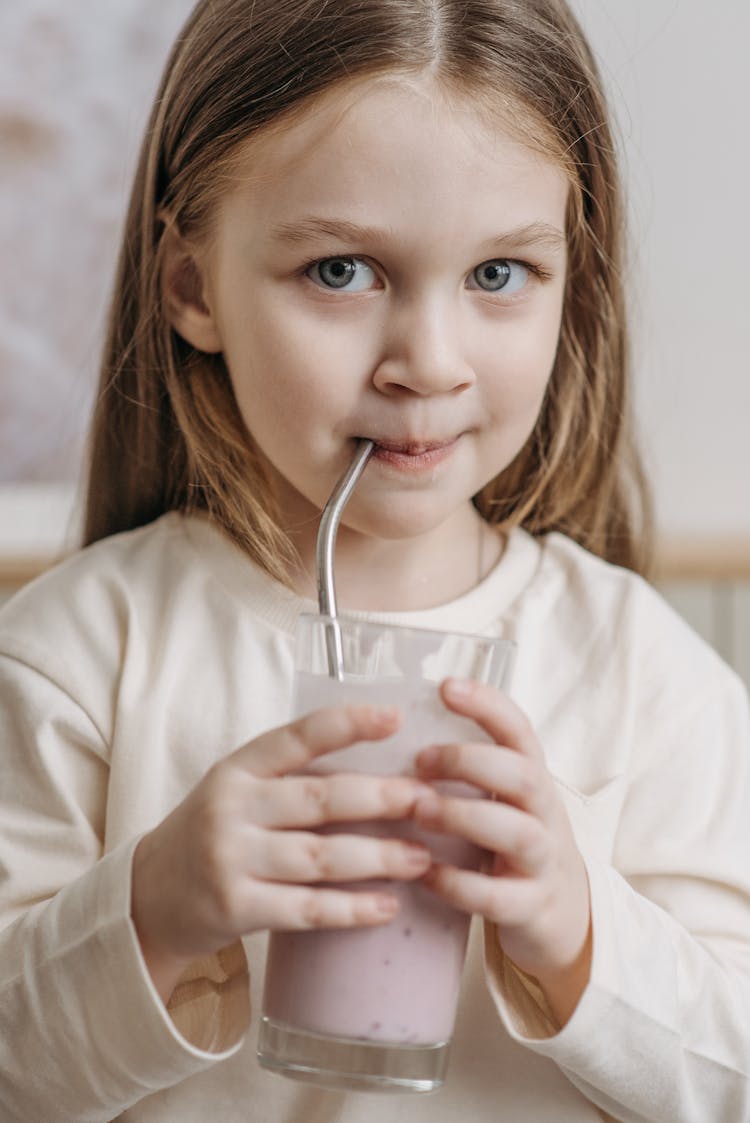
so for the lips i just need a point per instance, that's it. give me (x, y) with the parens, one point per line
(412, 447)
(410, 455)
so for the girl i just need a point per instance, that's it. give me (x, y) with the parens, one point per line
(394, 219)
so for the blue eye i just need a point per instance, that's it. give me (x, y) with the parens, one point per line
(350, 273)
(500, 275)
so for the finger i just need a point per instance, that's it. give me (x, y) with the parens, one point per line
(507, 901)
(505, 773)
(519, 837)
(291, 747)
(299, 908)
(305, 858)
(494, 712)
(312, 801)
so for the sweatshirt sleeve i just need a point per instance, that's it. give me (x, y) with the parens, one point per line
(662, 1031)
(83, 1033)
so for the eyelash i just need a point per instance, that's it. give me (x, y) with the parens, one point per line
(538, 271)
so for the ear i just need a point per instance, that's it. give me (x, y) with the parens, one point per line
(184, 294)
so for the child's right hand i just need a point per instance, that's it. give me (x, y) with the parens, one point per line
(239, 853)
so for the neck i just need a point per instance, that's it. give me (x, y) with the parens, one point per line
(403, 575)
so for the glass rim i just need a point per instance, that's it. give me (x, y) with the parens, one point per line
(343, 619)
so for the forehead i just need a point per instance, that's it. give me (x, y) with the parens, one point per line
(398, 147)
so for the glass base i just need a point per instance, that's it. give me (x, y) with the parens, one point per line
(345, 1062)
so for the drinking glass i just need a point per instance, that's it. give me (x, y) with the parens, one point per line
(373, 1008)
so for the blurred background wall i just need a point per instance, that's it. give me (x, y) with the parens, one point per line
(76, 81)
(679, 80)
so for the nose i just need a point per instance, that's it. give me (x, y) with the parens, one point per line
(423, 352)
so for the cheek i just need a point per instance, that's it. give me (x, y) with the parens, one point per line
(299, 345)
(287, 372)
(276, 357)
(519, 377)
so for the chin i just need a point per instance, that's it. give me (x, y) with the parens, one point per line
(406, 522)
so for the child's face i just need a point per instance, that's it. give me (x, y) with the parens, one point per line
(390, 266)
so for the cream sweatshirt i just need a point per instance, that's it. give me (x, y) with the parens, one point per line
(131, 668)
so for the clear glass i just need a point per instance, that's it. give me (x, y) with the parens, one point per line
(373, 1008)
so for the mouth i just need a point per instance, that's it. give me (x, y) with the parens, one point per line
(414, 455)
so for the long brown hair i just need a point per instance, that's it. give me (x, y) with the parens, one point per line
(167, 434)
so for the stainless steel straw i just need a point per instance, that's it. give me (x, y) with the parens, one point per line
(326, 543)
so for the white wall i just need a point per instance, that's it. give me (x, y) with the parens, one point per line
(679, 76)
(76, 77)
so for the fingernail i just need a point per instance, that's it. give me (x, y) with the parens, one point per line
(385, 905)
(417, 857)
(430, 875)
(428, 808)
(459, 688)
(428, 757)
(386, 716)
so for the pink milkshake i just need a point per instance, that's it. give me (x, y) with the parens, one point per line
(397, 983)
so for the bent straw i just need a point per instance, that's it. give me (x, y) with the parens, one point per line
(326, 542)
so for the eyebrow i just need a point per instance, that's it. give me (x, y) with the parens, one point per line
(310, 227)
(541, 234)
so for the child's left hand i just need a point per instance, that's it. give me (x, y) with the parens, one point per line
(535, 889)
